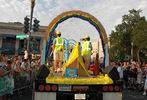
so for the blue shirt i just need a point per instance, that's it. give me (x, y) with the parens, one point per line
(90, 44)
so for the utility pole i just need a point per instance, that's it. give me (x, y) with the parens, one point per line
(30, 31)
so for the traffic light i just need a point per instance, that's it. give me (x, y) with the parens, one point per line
(36, 25)
(26, 25)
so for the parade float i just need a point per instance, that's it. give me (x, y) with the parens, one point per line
(75, 82)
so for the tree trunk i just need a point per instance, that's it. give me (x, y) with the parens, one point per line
(138, 55)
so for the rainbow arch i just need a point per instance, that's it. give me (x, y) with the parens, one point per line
(84, 16)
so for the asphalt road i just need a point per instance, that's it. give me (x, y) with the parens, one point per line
(133, 95)
(126, 94)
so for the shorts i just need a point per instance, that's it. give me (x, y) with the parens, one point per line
(58, 55)
(87, 57)
(145, 85)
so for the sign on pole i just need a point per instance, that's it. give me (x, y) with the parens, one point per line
(21, 36)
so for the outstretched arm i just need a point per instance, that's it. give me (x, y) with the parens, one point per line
(2, 74)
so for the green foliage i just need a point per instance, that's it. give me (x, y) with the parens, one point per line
(139, 38)
(139, 34)
(121, 38)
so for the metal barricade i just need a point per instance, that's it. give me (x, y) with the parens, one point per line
(24, 79)
(21, 80)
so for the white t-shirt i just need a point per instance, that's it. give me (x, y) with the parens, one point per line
(23, 65)
(120, 70)
(26, 55)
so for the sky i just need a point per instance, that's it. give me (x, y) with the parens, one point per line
(108, 12)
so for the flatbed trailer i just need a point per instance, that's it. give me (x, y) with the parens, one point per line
(48, 91)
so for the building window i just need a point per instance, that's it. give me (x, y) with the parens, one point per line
(8, 42)
(21, 43)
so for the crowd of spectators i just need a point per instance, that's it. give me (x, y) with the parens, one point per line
(133, 75)
(17, 73)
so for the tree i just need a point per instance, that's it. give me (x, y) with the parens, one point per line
(120, 39)
(139, 37)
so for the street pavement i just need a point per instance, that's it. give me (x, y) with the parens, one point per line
(133, 95)
(126, 95)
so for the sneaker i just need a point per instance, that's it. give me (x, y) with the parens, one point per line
(144, 93)
(58, 70)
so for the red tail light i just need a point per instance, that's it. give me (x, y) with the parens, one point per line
(105, 88)
(74, 90)
(54, 88)
(48, 87)
(111, 88)
(41, 87)
(116, 88)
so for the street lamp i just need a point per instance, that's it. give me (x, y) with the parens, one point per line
(32, 9)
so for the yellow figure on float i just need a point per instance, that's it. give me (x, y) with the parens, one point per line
(58, 47)
(87, 51)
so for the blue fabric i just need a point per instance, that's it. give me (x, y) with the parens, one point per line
(4, 67)
(107, 56)
(43, 53)
(90, 44)
(54, 41)
(67, 49)
(80, 47)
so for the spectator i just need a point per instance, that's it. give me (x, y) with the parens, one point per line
(2, 60)
(133, 75)
(120, 70)
(14, 63)
(16, 66)
(139, 75)
(17, 71)
(28, 69)
(128, 64)
(26, 54)
(6, 82)
(145, 79)
(19, 59)
(114, 64)
(34, 64)
(125, 74)
(23, 73)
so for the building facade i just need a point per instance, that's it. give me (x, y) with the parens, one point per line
(10, 44)
(97, 48)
